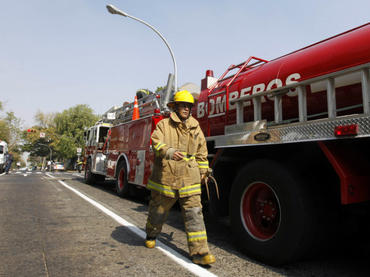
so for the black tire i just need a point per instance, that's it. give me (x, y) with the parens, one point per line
(89, 177)
(122, 185)
(99, 178)
(272, 215)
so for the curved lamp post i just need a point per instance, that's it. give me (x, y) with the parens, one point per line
(113, 10)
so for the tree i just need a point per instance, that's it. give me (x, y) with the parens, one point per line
(63, 133)
(10, 128)
(15, 132)
(45, 120)
(39, 146)
(70, 125)
(159, 88)
(4, 130)
(10, 131)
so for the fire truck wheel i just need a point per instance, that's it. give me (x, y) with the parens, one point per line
(271, 212)
(99, 178)
(122, 185)
(89, 177)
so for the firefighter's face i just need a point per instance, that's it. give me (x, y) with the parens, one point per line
(183, 110)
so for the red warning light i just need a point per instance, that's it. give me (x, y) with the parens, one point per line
(346, 130)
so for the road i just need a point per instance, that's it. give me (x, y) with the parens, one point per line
(52, 224)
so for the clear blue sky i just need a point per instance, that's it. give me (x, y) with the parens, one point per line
(57, 54)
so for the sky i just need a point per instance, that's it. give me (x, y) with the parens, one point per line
(58, 54)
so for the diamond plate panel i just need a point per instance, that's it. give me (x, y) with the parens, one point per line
(322, 129)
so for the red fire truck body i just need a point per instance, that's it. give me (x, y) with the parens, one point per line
(338, 53)
(288, 142)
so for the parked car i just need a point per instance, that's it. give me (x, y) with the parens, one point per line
(59, 166)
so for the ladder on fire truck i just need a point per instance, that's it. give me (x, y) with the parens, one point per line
(148, 106)
(305, 129)
(278, 93)
(244, 66)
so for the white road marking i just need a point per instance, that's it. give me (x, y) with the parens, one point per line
(177, 257)
(77, 174)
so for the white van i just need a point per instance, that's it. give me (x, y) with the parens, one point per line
(3, 152)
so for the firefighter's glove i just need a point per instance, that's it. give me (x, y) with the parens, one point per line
(173, 154)
(177, 156)
(169, 153)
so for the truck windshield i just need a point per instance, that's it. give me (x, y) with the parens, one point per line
(1, 149)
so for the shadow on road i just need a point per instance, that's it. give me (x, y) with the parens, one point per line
(123, 235)
(350, 253)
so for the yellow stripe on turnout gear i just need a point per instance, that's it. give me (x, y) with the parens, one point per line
(203, 164)
(159, 145)
(193, 236)
(188, 190)
(168, 191)
(187, 157)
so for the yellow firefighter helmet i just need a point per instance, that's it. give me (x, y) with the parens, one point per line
(181, 96)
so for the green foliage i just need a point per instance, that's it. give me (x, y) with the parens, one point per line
(15, 132)
(66, 147)
(159, 89)
(4, 130)
(45, 120)
(10, 131)
(70, 125)
(63, 133)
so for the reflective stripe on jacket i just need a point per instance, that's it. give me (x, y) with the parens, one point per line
(168, 191)
(169, 175)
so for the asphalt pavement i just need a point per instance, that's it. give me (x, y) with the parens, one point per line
(52, 224)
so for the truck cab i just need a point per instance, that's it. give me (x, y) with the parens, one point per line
(96, 142)
(3, 152)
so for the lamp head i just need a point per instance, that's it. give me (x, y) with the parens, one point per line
(113, 10)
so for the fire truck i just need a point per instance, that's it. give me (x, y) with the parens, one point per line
(288, 142)
(3, 152)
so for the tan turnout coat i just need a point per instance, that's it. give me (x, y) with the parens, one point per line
(169, 176)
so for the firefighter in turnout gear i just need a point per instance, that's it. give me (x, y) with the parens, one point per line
(180, 165)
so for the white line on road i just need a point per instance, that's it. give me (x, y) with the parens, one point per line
(177, 257)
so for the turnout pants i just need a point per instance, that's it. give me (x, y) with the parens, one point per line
(191, 209)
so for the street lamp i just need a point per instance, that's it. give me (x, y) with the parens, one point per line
(113, 10)
(51, 153)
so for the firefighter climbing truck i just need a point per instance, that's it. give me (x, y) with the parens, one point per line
(288, 142)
